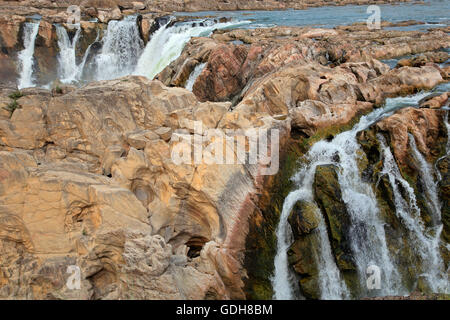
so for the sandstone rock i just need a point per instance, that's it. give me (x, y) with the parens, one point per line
(311, 116)
(423, 59)
(26, 128)
(399, 81)
(220, 80)
(105, 16)
(99, 166)
(434, 101)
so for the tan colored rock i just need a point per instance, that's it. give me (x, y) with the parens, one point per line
(26, 128)
(220, 80)
(399, 81)
(99, 189)
(311, 115)
(434, 101)
(113, 14)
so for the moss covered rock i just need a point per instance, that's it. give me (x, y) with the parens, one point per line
(443, 166)
(303, 257)
(303, 218)
(328, 196)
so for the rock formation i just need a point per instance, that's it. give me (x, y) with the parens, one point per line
(87, 174)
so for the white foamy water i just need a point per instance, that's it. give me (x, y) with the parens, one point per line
(424, 243)
(68, 70)
(26, 56)
(194, 75)
(427, 174)
(366, 234)
(122, 47)
(283, 278)
(167, 43)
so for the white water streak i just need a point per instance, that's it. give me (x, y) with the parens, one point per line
(167, 43)
(26, 56)
(283, 277)
(194, 75)
(427, 175)
(68, 70)
(424, 244)
(367, 231)
(122, 46)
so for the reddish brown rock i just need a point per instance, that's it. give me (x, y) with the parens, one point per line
(423, 124)
(221, 79)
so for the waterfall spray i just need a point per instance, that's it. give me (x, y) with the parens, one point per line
(167, 43)
(26, 56)
(68, 70)
(122, 46)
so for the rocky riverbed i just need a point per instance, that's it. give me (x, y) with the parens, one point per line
(87, 176)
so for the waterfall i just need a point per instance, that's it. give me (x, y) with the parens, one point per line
(424, 243)
(194, 75)
(85, 57)
(332, 287)
(122, 46)
(26, 56)
(331, 284)
(283, 277)
(447, 126)
(167, 43)
(68, 70)
(427, 173)
(368, 240)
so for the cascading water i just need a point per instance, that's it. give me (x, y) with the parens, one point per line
(122, 46)
(122, 51)
(447, 126)
(81, 74)
(447, 147)
(283, 277)
(26, 56)
(194, 75)
(424, 243)
(427, 174)
(68, 70)
(167, 43)
(367, 236)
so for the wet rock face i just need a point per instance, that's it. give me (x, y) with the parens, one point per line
(424, 124)
(304, 220)
(443, 166)
(10, 43)
(328, 196)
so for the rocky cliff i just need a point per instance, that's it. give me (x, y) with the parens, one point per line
(87, 177)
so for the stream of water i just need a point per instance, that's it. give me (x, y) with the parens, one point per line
(367, 235)
(26, 56)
